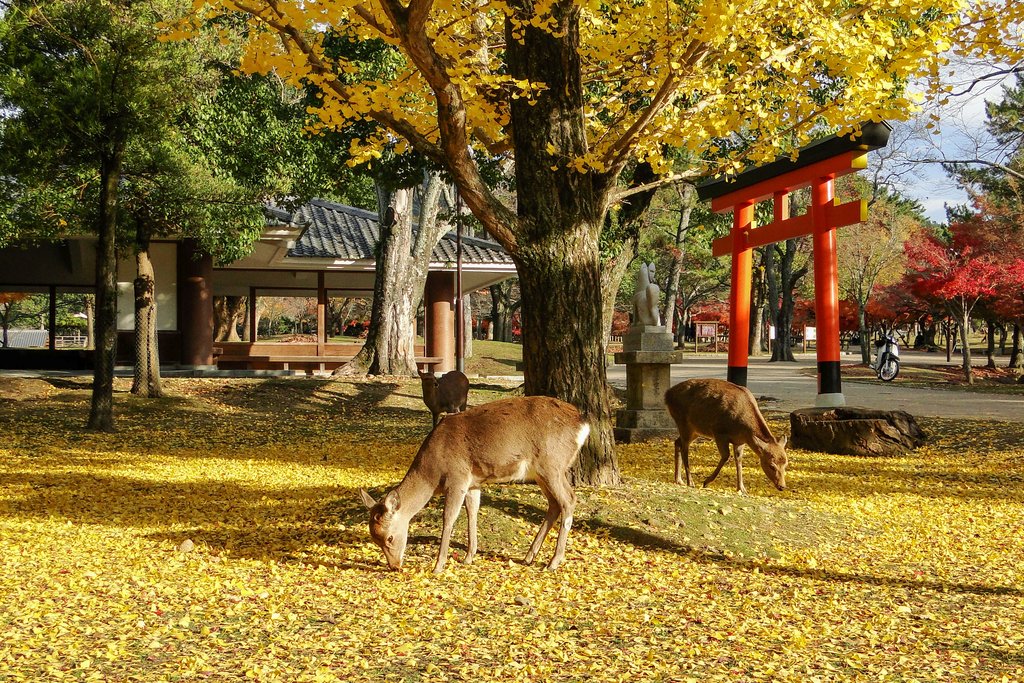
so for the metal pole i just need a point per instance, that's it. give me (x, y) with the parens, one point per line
(460, 314)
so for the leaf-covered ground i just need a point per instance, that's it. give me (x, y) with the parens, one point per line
(898, 569)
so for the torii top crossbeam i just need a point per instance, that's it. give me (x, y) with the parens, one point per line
(817, 165)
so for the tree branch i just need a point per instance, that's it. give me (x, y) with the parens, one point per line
(981, 162)
(675, 178)
(497, 219)
(998, 73)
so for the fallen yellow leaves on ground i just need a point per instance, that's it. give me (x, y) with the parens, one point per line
(218, 536)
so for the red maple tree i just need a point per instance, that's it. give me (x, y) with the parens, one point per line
(957, 270)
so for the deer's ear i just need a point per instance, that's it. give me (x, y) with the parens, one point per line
(368, 500)
(782, 441)
(391, 501)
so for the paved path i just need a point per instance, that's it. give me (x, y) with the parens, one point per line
(794, 385)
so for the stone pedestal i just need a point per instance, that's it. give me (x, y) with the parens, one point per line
(647, 352)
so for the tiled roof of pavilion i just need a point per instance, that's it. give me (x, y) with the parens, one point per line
(336, 231)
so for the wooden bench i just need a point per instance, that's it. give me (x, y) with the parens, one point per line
(425, 363)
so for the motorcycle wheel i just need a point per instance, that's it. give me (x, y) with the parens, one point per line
(890, 368)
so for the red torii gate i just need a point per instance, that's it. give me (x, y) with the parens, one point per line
(816, 165)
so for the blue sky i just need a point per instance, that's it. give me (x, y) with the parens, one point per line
(960, 134)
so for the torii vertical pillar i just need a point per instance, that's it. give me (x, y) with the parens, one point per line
(739, 298)
(826, 296)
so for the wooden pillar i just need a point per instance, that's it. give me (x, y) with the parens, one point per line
(195, 304)
(439, 323)
(460, 309)
(739, 294)
(321, 314)
(252, 315)
(826, 296)
(52, 320)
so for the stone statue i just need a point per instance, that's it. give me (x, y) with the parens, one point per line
(645, 301)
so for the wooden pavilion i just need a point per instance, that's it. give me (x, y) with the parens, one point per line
(321, 250)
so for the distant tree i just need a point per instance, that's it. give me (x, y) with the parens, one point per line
(954, 270)
(505, 302)
(83, 82)
(871, 255)
(996, 229)
(12, 311)
(785, 264)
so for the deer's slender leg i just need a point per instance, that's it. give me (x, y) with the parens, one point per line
(453, 499)
(738, 448)
(565, 498)
(723, 450)
(545, 526)
(472, 508)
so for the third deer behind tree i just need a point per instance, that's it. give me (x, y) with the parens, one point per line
(447, 394)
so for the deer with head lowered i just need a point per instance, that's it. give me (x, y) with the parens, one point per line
(446, 394)
(728, 414)
(516, 439)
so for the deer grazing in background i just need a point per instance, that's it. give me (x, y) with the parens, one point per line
(447, 394)
(728, 414)
(532, 438)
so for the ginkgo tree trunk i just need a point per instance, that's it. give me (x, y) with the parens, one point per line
(575, 91)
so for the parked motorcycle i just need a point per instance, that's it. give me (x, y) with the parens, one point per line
(887, 362)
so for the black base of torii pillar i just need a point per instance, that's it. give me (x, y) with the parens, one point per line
(816, 165)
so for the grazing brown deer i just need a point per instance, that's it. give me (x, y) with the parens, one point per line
(447, 394)
(728, 414)
(515, 439)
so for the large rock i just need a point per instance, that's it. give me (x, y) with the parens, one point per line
(855, 431)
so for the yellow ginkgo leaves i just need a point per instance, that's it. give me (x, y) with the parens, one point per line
(872, 569)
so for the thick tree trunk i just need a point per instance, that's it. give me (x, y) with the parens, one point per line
(101, 410)
(930, 331)
(402, 262)
(568, 361)
(467, 327)
(782, 281)
(561, 212)
(228, 311)
(220, 318)
(245, 320)
(146, 381)
(687, 200)
(90, 321)
(758, 298)
(389, 348)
